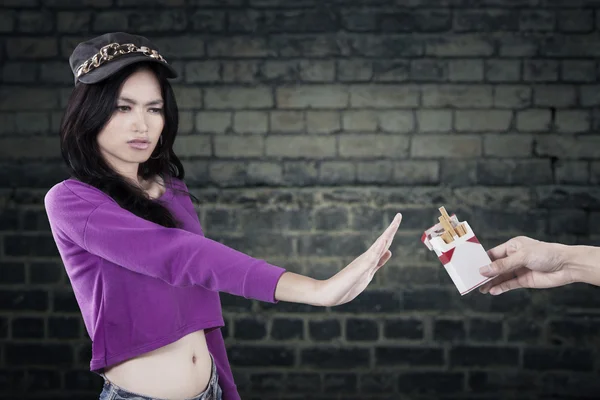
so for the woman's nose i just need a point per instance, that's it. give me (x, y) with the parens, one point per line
(140, 123)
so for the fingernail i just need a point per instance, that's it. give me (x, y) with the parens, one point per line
(485, 270)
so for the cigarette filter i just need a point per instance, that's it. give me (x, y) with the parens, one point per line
(459, 250)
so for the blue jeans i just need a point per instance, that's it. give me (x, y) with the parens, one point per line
(110, 391)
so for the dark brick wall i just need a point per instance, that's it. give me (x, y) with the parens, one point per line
(305, 126)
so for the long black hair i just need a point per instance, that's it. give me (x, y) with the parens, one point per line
(89, 109)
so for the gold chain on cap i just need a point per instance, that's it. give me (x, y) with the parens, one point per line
(113, 50)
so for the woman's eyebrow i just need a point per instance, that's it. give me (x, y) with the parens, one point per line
(151, 103)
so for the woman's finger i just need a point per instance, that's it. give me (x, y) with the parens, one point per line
(506, 286)
(386, 256)
(387, 235)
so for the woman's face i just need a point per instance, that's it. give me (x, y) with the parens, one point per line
(132, 133)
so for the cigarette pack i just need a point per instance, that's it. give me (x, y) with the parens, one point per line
(458, 249)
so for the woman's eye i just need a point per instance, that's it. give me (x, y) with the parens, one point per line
(156, 110)
(123, 108)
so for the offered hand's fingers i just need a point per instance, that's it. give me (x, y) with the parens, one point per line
(506, 286)
(386, 236)
(485, 288)
(503, 265)
(498, 251)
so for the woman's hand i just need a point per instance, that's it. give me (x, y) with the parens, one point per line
(354, 278)
(523, 262)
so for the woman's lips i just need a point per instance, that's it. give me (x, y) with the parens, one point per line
(140, 145)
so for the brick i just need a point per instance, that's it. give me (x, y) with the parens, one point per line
(239, 46)
(391, 70)
(244, 21)
(7, 20)
(340, 383)
(514, 172)
(502, 70)
(356, 70)
(169, 20)
(324, 330)
(573, 222)
(239, 146)
(502, 381)
(540, 70)
(456, 146)
(331, 218)
(240, 71)
(246, 356)
(485, 20)
(187, 97)
(322, 121)
(459, 45)
(29, 148)
(47, 354)
(11, 272)
(555, 96)
(108, 21)
(416, 172)
(264, 173)
(485, 330)
(484, 356)
(512, 96)
(131, 3)
(334, 358)
(298, 21)
(281, 70)
(238, 97)
(193, 146)
(313, 96)
(73, 21)
(300, 146)
(411, 329)
(286, 121)
(389, 121)
(537, 20)
(544, 359)
(31, 48)
(480, 120)
(384, 96)
(300, 173)
(306, 46)
(23, 300)
(576, 20)
(590, 95)
(35, 21)
(18, 72)
(465, 70)
(286, 329)
(457, 96)
(426, 383)
(413, 356)
(180, 47)
(434, 120)
(250, 122)
(432, 70)
(317, 70)
(207, 21)
(578, 71)
(63, 327)
(23, 123)
(572, 121)
(508, 145)
(570, 198)
(512, 45)
(42, 272)
(214, 121)
(373, 301)
(337, 172)
(79, 4)
(519, 330)
(449, 330)
(249, 329)
(533, 120)
(361, 329)
(56, 72)
(374, 171)
(572, 172)
(202, 71)
(366, 145)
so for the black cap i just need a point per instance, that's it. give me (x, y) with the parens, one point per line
(102, 56)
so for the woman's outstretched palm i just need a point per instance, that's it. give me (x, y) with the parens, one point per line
(354, 278)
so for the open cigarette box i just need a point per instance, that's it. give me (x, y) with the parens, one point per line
(458, 249)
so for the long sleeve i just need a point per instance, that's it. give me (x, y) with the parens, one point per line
(176, 256)
(216, 346)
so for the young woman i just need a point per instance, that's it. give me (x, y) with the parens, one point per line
(145, 277)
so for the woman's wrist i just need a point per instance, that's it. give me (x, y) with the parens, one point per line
(296, 288)
(582, 262)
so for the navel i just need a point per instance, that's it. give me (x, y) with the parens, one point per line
(194, 359)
